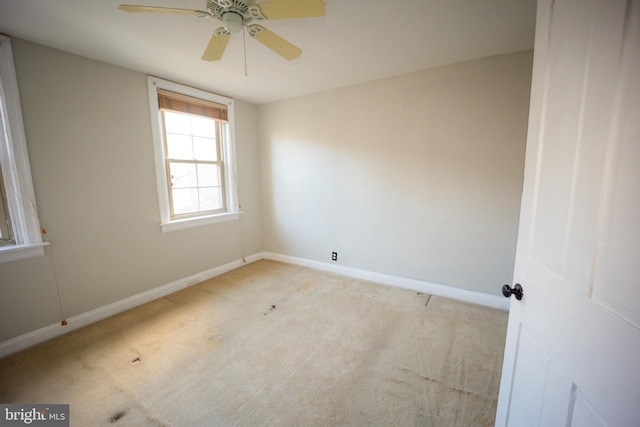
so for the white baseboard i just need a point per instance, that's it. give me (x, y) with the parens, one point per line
(43, 334)
(480, 298)
(46, 333)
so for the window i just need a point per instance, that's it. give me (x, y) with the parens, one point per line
(194, 153)
(20, 229)
(194, 164)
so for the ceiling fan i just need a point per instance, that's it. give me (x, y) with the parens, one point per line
(237, 15)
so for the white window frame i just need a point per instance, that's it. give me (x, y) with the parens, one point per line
(168, 224)
(15, 166)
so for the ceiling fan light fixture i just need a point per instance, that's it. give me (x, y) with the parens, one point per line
(232, 22)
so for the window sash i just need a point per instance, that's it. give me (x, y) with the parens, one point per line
(220, 163)
(223, 207)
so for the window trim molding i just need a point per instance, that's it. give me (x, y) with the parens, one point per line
(16, 168)
(228, 146)
(17, 252)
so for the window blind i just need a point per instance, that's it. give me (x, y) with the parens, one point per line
(171, 101)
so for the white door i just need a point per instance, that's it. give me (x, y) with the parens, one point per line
(572, 356)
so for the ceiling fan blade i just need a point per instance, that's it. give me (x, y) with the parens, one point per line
(274, 42)
(283, 9)
(217, 45)
(168, 10)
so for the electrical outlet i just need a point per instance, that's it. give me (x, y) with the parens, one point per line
(334, 256)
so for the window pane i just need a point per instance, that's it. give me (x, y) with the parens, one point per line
(201, 126)
(208, 175)
(5, 224)
(177, 123)
(205, 148)
(183, 175)
(179, 146)
(185, 200)
(210, 198)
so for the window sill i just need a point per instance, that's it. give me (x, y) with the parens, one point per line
(18, 252)
(181, 224)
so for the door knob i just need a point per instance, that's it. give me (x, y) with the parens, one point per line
(507, 291)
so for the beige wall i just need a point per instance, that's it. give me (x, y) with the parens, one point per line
(418, 176)
(89, 141)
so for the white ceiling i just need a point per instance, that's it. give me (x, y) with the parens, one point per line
(357, 40)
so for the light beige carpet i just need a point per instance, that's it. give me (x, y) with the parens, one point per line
(272, 344)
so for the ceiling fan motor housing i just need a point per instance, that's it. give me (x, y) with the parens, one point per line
(232, 21)
(218, 8)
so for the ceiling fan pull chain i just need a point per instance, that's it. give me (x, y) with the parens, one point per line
(244, 46)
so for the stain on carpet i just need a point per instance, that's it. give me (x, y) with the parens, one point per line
(118, 416)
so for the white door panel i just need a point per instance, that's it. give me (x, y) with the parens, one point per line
(582, 414)
(617, 260)
(574, 339)
(529, 383)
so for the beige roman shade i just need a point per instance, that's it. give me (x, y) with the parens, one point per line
(171, 101)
